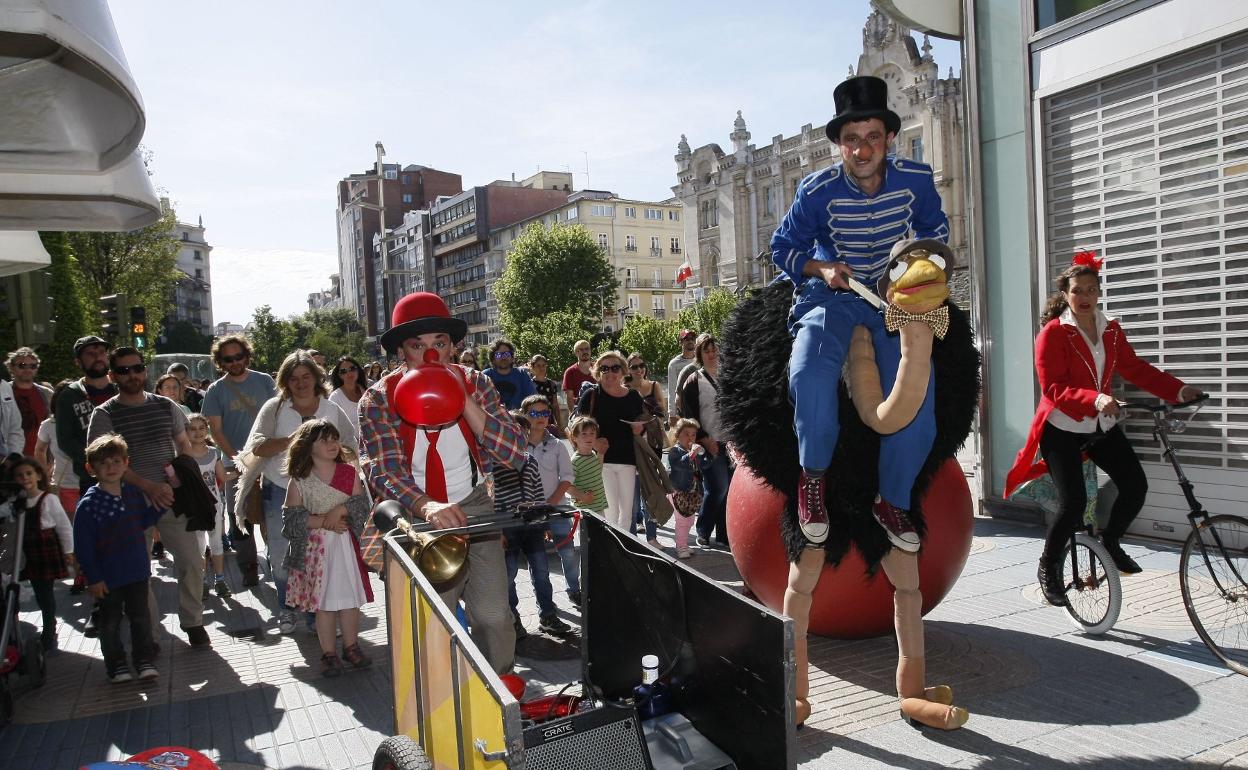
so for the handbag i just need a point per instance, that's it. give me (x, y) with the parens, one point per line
(687, 503)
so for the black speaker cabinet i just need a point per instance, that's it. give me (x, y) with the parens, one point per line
(600, 739)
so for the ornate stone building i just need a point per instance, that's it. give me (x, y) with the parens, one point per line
(735, 200)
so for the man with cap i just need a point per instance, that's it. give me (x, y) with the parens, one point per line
(688, 341)
(72, 416)
(438, 472)
(843, 224)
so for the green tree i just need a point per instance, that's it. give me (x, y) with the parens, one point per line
(270, 338)
(553, 269)
(551, 334)
(184, 337)
(653, 339)
(707, 314)
(333, 331)
(140, 263)
(72, 313)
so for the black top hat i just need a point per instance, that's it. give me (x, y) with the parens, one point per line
(861, 98)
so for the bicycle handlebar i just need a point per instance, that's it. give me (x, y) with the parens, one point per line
(1163, 407)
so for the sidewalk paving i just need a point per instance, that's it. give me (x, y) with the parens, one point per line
(1148, 694)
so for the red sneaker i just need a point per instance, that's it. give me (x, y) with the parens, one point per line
(897, 524)
(812, 516)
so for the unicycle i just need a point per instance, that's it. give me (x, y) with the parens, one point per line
(1093, 587)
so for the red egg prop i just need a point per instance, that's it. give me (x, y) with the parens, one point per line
(430, 394)
(847, 603)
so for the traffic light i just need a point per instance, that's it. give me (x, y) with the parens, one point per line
(138, 328)
(112, 311)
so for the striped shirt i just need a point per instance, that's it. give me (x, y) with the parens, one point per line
(512, 487)
(588, 478)
(833, 220)
(149, 429)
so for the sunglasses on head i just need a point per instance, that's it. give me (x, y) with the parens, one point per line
(502, 354)
(134, 368)
(616, 368)
(233, 359)
(536, 413)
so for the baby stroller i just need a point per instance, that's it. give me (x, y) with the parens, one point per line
(20, 651)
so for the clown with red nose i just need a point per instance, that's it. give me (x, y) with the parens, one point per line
(431, 431)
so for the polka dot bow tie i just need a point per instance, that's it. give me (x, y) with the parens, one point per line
(938, 319)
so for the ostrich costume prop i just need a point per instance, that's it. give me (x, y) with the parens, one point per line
(758, 419)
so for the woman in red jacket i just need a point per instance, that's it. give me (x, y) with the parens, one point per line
(1078, 350)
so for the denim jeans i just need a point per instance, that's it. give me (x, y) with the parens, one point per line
(641, 514)
(716, 476)
(530, 541)
(275, 542)
(568, 557)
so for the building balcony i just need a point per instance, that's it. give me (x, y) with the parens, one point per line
(630, 247)
(675, 249)
(659, 312)
(655, 251)
(650, 283)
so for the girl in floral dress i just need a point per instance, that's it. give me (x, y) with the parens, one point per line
(322, 519)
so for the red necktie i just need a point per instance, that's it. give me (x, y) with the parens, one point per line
(435, 474)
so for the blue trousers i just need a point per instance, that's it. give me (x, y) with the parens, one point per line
(530, 541)
(568, 557)
(274, 497)
(822, 323)
(641, 514)
(716, 478)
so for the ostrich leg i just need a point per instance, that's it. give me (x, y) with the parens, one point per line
(803, 575)
(926, 706)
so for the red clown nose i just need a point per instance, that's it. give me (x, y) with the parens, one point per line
(431, 394)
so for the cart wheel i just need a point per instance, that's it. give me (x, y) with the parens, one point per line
(399, 752)
(34, 664)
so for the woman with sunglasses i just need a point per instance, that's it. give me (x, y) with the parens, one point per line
(350, 382)
(619, 413)
(652, 397)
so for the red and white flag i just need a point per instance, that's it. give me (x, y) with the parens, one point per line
(685, 272)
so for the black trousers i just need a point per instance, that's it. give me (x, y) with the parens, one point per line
(1113, 454)
(130, 600)
(42, 589)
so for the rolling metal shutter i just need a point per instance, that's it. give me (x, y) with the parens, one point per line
(1149, 168)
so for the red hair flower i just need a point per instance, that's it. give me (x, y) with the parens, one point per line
(1088, 259)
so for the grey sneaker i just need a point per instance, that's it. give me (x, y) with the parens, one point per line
(286, 622)
(147, 671)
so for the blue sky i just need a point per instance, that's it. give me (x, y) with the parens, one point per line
(255, 110)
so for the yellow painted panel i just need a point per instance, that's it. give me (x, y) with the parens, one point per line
(399, 588)
(482, 718)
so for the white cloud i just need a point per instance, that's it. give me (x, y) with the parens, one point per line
(244, 279)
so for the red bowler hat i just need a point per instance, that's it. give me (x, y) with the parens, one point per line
(421, 313)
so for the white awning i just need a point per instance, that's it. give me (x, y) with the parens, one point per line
(21, 252)
(119, 199)
(67, 99)
(942, 18)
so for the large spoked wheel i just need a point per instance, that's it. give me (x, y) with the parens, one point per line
(1093, 588)
(399, 752)
(1213, 573)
